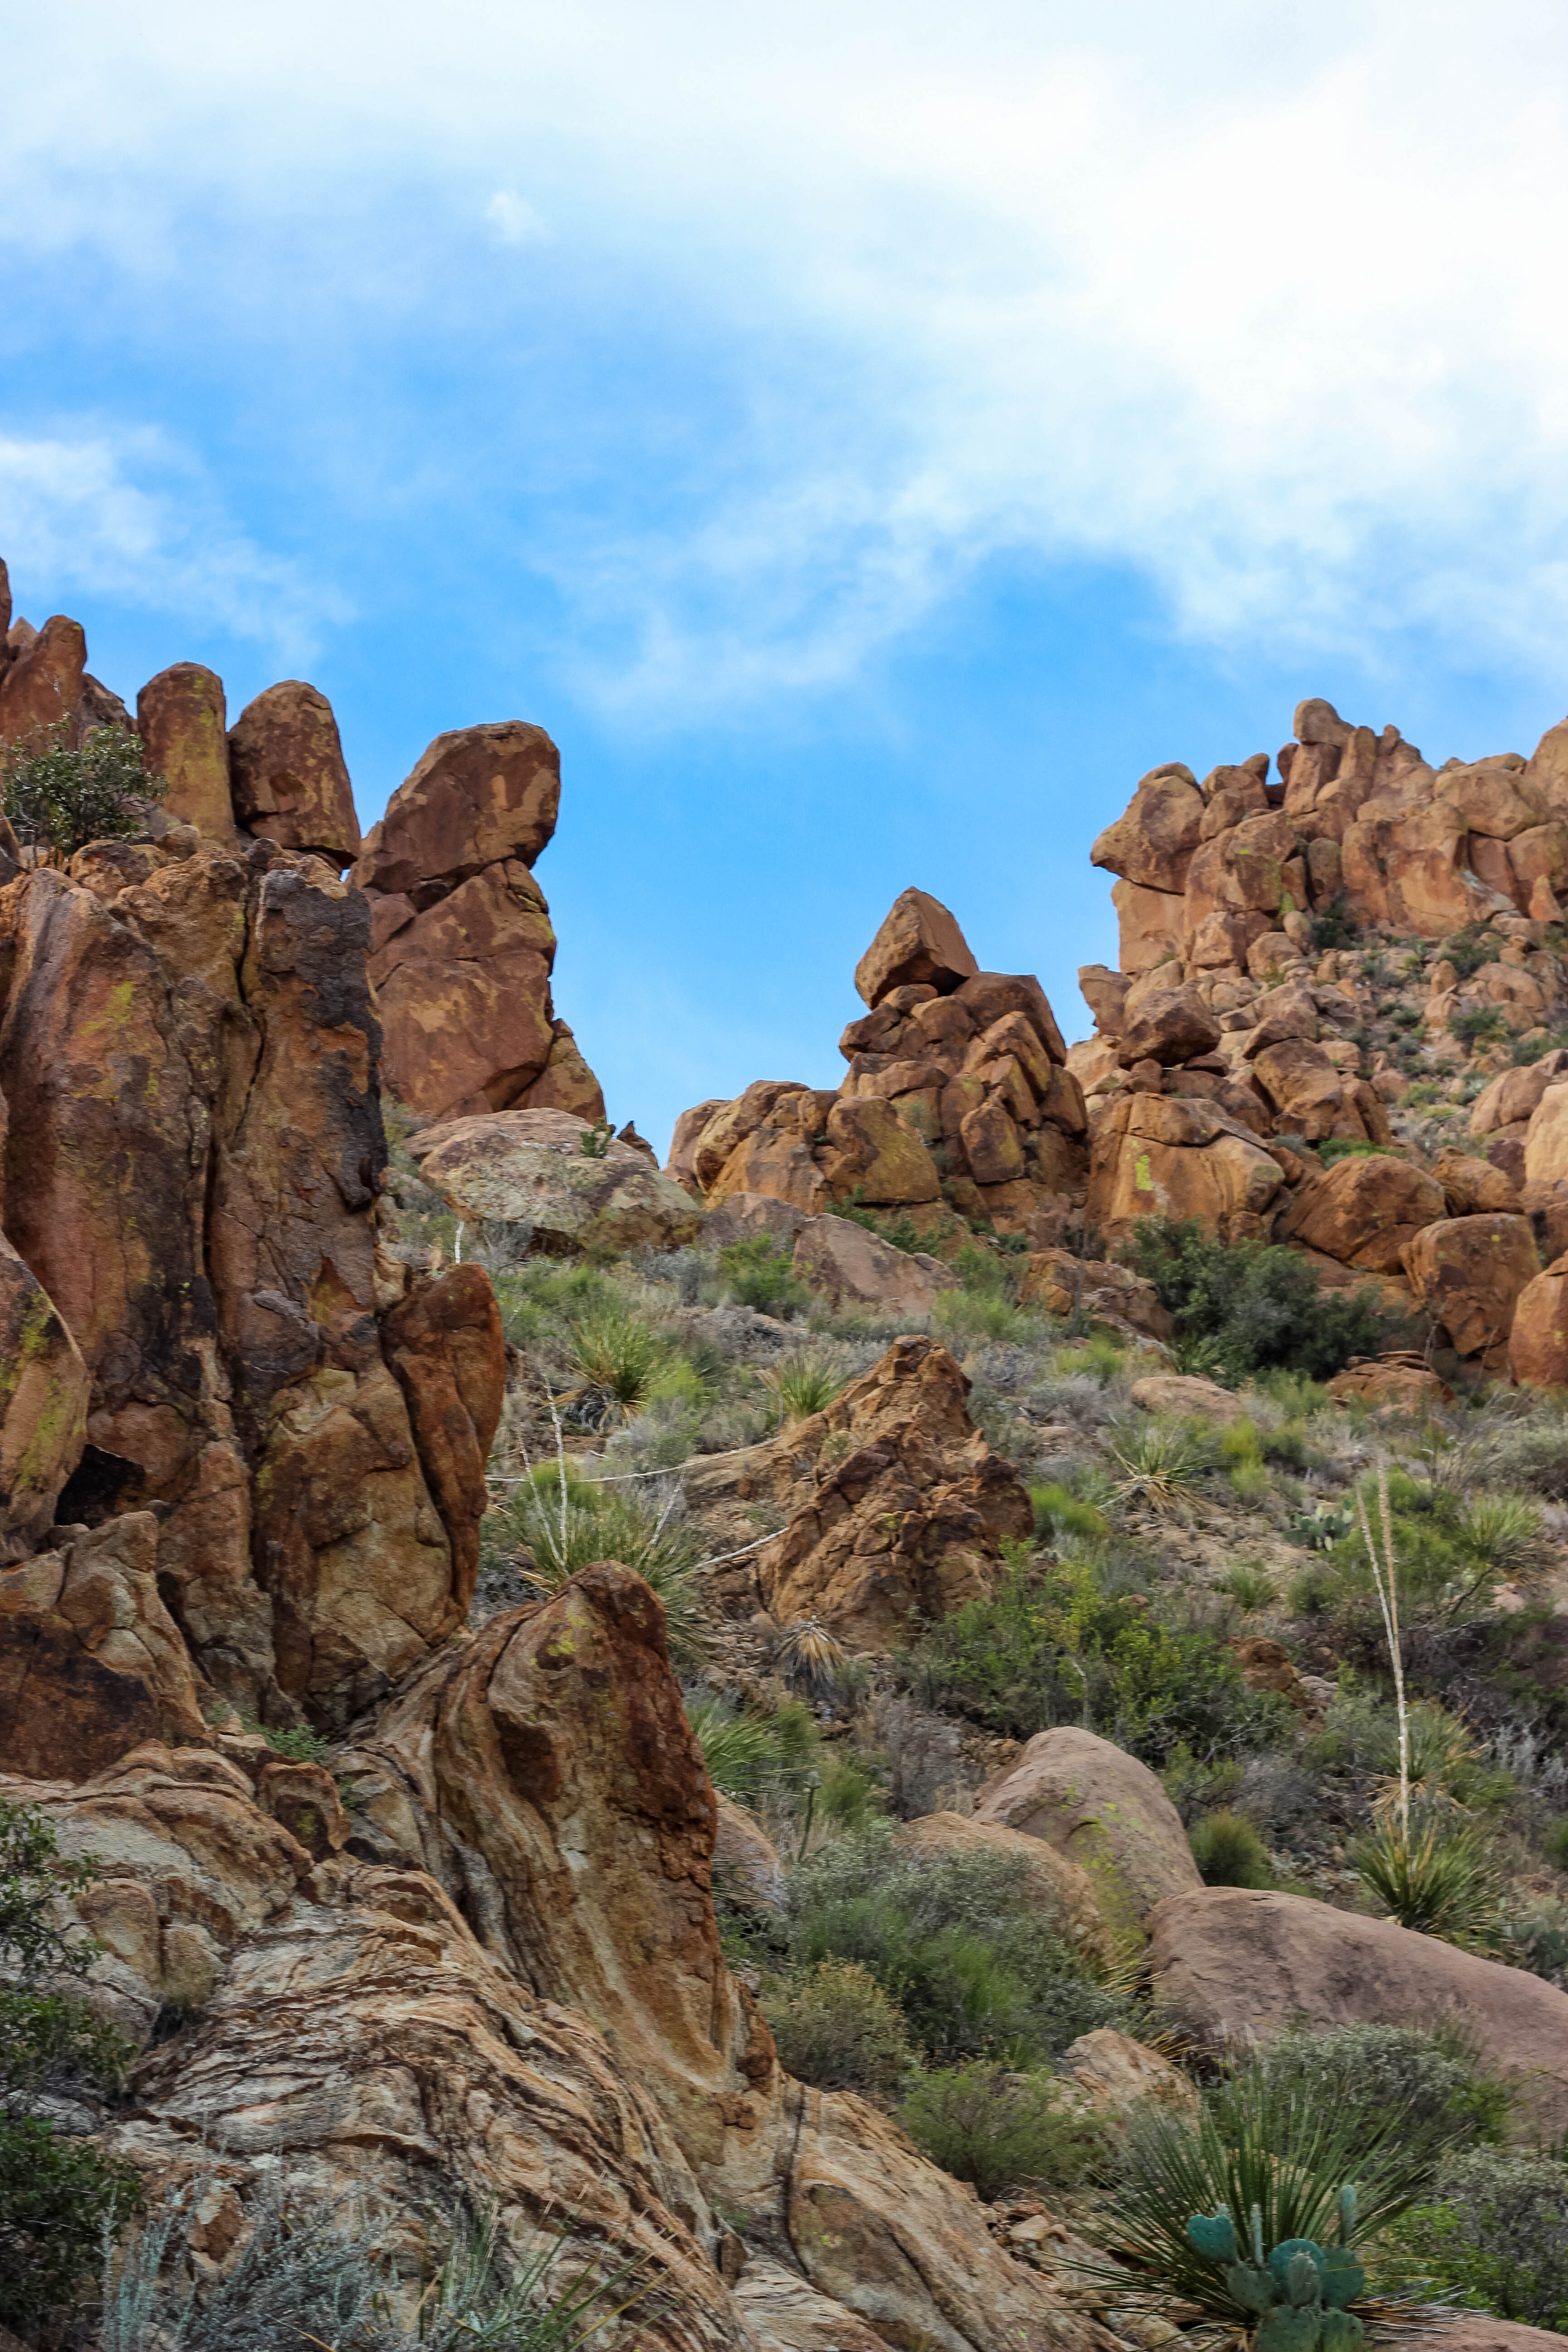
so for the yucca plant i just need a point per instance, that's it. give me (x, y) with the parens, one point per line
(557, 1524)
(805, 1383)
(619, 1357)
(810, 1657)
(1161, 1464)
(1251, 2147)
(739, 1750)
(1433, 1873)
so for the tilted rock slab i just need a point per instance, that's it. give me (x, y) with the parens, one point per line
(1238, 1967)
(1105, 1810)
(529, 1167)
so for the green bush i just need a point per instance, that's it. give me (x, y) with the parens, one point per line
(57, 2197)
(1434, 2084)
(837, 2029)
(59, 799)
(1000, 2129)
(1496, 2233)
(1051, 1646)
(1481, 1025)
(1251, 1305)
(1555, 1842)
(759, 1273)
(1059, 1513)
(958, 1941)
(1228, 1852)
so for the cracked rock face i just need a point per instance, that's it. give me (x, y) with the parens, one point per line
(189, 1058)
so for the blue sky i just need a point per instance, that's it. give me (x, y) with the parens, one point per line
(867, 437)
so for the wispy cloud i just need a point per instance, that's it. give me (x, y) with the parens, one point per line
(1262, 302)
(127, 515)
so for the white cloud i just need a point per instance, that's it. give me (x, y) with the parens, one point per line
(1262, 301)
(130, 516)
(514, 219)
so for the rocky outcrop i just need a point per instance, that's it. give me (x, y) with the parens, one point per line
(287, 777)
(529, 1168)
(1102, 1808)
(850, 1268)
(462, 943)
(1155, 1156)
(189, 1055)
(181, 719)
(43, 1405)
(508, 1981)
(958, 1093)
(1235, 1968)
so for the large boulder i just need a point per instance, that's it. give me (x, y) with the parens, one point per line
(462, 947)
(529, 1167)
(1150, 924)
(851, 1267)
(896, 1506)
(1060, 1887)
(91, 1662)
(181, 716)
(288, 775)
(1105, 1810)
(1177, 1155)
(870, 1154)
(919, 941)
(1152, 841)
(1364, 1210)
(1471, 1271)
(41, 688)
(1546, 1138)
(1538, 1342)
(1235, 1968)
(1166, 1025)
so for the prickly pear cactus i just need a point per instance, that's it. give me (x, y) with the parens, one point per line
(1296, 2294)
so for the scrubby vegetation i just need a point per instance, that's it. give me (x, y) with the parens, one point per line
(1252, 1307)
(58, 795)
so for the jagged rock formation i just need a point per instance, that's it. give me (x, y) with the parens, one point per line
(502, 1973)
(462, 948)
(957, 1091)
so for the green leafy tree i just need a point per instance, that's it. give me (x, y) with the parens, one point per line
(1242, 1308)
(61, 797)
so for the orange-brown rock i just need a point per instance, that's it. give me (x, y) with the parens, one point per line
(1537, 1341)
(1267, 1665)
(776, 1162)
(1064, 1286)
(191, 1069)
(1364, 1210)
(447, 1349)
(1491, 797)
(44, 1391)
(1396, 1379)
(91, 1663)
(1166, 1025)
(682, 1165)
(1177, 1155)
(1471, 1272)
(1236, 1968)
(1305, 1089)
(529, 1168)
(1153, 840)
(181, 719)
(1102, 1808)
(851, 1267)
(41, 687)
(1150, 925)
(475, 797)
(1188, 1395)
(919, 941)
(1472, 1186)
(992, 996)
(1546, 1138)
(909, 1518)
(1408, 868)
(566, 1083)
(1514, 1094)
(288, 776)
(1241, 870)
(871, 1152)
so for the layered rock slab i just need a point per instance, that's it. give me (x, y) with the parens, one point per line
(529, 1168)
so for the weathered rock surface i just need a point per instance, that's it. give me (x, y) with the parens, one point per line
(189, 1058)
(1106, 1812)
(91, 1663)
(528, 1167)
(918, 941)
(182, 717)
(1187, 1396)
(1238, 1967)
(851, 1267)
(1363, 1211)
(462, 946)
(1117, 2075)
(1163, 1155)
(288, 775)
(1065, 1285)
(41, 687)
(1471, 1271)
(43, 1405)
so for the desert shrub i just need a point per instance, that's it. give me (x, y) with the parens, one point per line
(1350, 1147)
(838, 2029)
(1481, 1024)
(999, 2130)
(1555, 1842)
(1228, 1852)
(1496, 2233)
(1432, 2082)
(849, 1795)
(1059, 1513)
(59, 798)
(1051, 1646)
(1250, 1587)
(1468, 949)
(1537, 1938)
(958, 1941)
(1434, 1874)
(1160, 1463)
(1251, 1305)
(739, 1750)
(1250, 2145)
(55, 2196)
(552, 1525)
(966, 1316)
(759, 1273)
(618, 1357)
(805, 1383)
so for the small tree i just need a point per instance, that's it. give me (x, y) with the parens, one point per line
(59, 799)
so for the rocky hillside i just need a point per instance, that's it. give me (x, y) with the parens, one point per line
(743, 1755)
